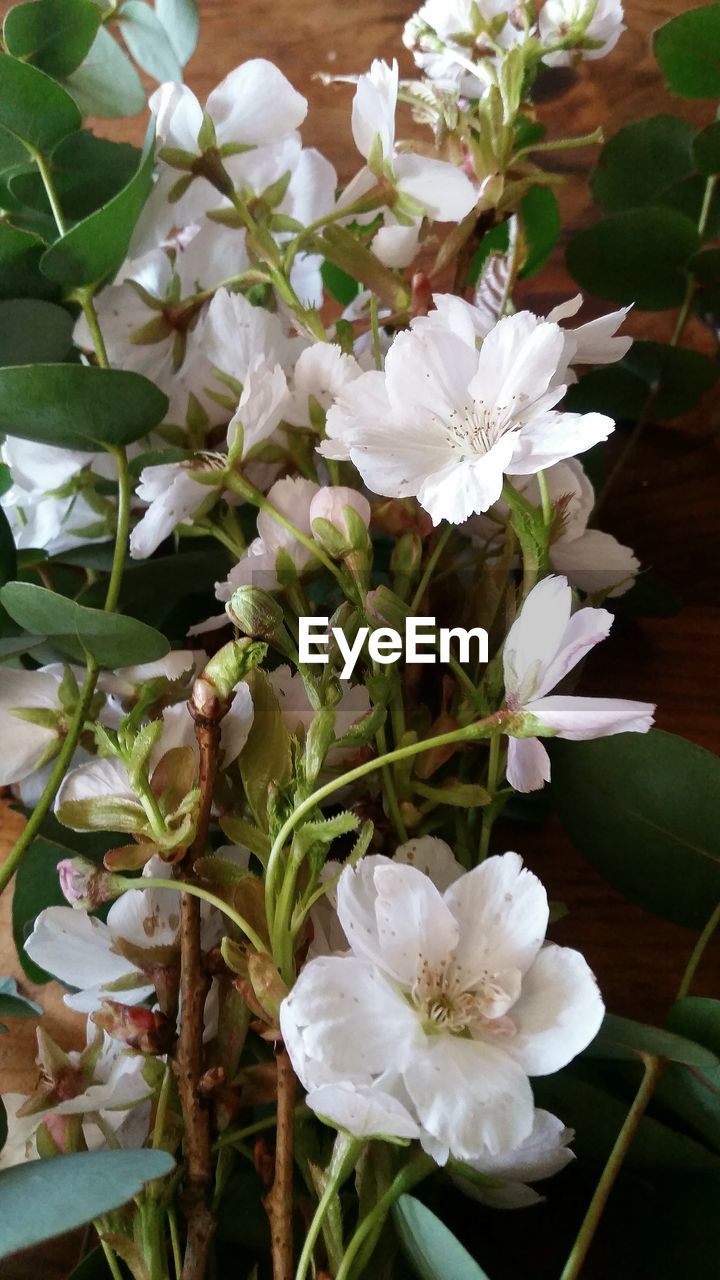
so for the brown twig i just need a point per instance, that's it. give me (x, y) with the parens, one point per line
(207, 710)
(279, 1200)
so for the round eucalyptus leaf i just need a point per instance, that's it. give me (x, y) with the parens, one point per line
(148, 42)
(641, 161)
(33, 331)
(87, 172)
(706, 149)
(640, 256)
(644, 809)
(113, 639)
(688, 50)
(78, 406)
(432, 1250)
(54, 35)
(540, 215)
(107, 83)
(33, 107)
(181, 21)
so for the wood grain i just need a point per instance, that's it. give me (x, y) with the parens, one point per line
(666, 505)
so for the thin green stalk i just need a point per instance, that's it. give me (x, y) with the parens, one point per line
(340, 1171)
(110, 1257)
(158, 1132)
(122, 528)
(545, 499)
(430, 567)
(417, 1169)
(244, 489)
(50, 191)
(175, 1241)
(233, 1136)
(468, 733)
(563, 144)
(697, 954)
(195, 891)
(62, 760)
(578, 1255)
(488, 813)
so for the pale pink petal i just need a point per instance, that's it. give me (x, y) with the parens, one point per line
(528, 764)
(585, 629)
(535, 637)
(580, 718)
(396, 246)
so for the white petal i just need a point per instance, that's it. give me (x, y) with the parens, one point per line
(470, 1095)
(255, 103)
(178, 116)
(236, 725)
(434, 858)
(466, 487)
(559, 1011)
(535, 636)
(596, 562)
(364, 1112)
(342, 1022)
(580, 718)
(502, 911)
(178, 501)
(96, 780)
(146, 917)
(442, 189)
(373, 108)
(22, 744)
(395, 917)
(261, 407)
(75, 947)
(396, 246)
(543, 1153)
(553, 436)
(528, 764)
(585, 629)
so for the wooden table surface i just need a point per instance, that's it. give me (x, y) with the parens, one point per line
(666, 504)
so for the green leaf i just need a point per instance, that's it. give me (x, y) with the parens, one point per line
(37, 885)
(265, 758)
(46, 1198)
(148, 42)
(694, 1096)
(341, 286)
(497, 240)
(20, 275)
(688, 50)
(644, 809)
(54, 35)
(93, 1267)
(113, 639)
(14, 1005)
(33, 332)
(681, 376)
(706, 149)
(432, 1250)
(95, 247)
(33, 107)
(540, 214)
(107, 83)
(86, 171)
(639, 256)
(613, 390)
(78, 407)
(642, 161)
(8, 557)
(180, 20)
(623, 1038)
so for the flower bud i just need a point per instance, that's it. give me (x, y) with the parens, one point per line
(383, 606)
(257, 614)
(223, 672)
(86, 885)
(145, 1030)
(329, 504)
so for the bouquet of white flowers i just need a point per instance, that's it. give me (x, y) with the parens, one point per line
(273, 449)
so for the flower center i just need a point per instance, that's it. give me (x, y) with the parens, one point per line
(446, 1003)
(476, 427)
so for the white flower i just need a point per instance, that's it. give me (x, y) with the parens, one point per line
(47, 506)
(446, 1001)
(292, 497)
(449, 40)
(297, 711)
(445, 422)
(238, 337)
(173, 497)
(544, 643)
(321, 373)
(596, 26)
(441, 190)
(26, 746)
(505, 1177)
(591, 560)
(592, 343)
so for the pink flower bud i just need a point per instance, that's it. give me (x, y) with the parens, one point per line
(146, 1030)
(86, 885)
(329, 504)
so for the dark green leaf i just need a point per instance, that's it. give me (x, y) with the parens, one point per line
(54, 35)
(95, 247)
(342, 287)
(20, 275)
(180, 20)
(111, 638)
(613, 390)
(93, 1267)
(107, 83)
(688, 50)
(497, 240)
(695, 1096)
(33, 107)
(33, 332)
(678, 376)
(432, 1250)
(13, 1004)
(78, 407)
(8, 557)
(148, 41)
(46, 1198)
(540, 214)
(645, 810)
(87, 172)
(706, 149)
(37, 885)
(623, 1038)
(688, 197)
(265, 758)
(151, 587)
(641, 161)
(640, 256)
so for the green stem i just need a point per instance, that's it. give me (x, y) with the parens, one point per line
(418, 1168)
(122, 529)
(175, 1242)
(110, 1258)
(468, 733)
(545, 499)
(65, 755)
(195, 891)
(488, 813)
(341, 1168)
(697, 954)
(244, 489)
(652, 1069)
(563, 144)
(430, 567)
(158, 1132)
(233, 1136)
(50, 191)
